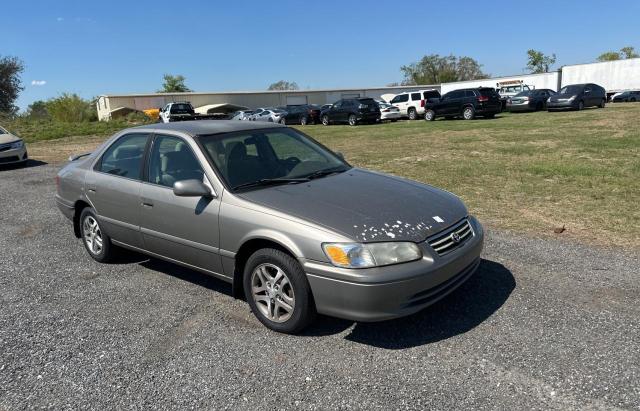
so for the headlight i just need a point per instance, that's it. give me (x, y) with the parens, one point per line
(357, 255)
(17, 144)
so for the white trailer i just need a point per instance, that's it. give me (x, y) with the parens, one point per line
(543, 80)
(614, 76)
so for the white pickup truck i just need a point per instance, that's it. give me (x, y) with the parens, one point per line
(182, 111)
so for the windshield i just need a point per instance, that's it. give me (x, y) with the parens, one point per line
(570, 90)
(252, 156)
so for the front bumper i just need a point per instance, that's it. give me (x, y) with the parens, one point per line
(14, 156)
(384, 293)
(394, 115)
(526, 106)
(562, 105)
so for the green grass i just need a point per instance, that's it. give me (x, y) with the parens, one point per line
(528, 172)
(42, 130)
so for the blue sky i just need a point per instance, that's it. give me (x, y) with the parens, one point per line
(93, 48)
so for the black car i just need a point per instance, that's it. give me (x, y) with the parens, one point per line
(530, 100)
(627, 96)
(466, 103)
(303, 114)
(351, 111)
(577, 97)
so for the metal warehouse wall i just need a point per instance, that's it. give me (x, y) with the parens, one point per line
(544, 80)
(107, 104)
(612, 75)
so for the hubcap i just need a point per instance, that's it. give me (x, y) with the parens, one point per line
(467, 114)
(352, 120)
(92, 235)
(272, 292)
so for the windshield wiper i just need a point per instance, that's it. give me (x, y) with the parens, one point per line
(270, 181)
(326, 172)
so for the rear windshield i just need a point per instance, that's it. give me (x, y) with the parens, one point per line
(487, 92)
(181, 109)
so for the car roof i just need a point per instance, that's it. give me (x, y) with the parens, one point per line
(204, 127)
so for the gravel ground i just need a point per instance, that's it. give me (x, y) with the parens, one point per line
(543, 324)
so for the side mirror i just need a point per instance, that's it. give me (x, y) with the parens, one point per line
(191, 188)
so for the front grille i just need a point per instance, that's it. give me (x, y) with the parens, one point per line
(454, 237)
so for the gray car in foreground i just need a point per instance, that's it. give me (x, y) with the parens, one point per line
(292, 226)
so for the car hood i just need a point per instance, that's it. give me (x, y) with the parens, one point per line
(557, 97)
(366, 206)
(8, 138)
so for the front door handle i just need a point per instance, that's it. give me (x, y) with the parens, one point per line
(147, 204)
(91, 190)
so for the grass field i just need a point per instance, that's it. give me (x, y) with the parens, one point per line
(531, 172)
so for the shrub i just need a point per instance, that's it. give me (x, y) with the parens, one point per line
(71, 108)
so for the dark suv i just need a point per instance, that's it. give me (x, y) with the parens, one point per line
(303, 114)
(351, 111)
(466, 103)
(577, 97)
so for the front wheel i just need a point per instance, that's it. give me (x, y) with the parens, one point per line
(96, 242)
(325, 120)
(352, 120)
(303, 121)
(468, 113)
(429, 115)
(278, 292)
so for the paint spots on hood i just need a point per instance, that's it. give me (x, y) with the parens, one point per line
(391, 230)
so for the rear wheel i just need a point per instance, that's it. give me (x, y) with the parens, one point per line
(602, 103)
(412, 113)
(325, 120)
(303, 121)
(96, 242)
(580, 105)
(429, 115)
(283, 121)
(352, 120)
(468, 113)
(278, 292)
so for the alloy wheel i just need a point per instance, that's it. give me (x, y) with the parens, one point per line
(272, 292)
(352, 120)
(468, 113)
(92, 235)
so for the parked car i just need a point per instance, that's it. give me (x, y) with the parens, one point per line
(243, 115)
(272, 115)
(388, 112)
(627, 96)
(530, 100)
(292, 226)
(12, 149)
(325, 106)
(509, 89)
(466, 103)
(412, 103)
(302, 114)
(577, 97)
(351, 111)
(257, 112)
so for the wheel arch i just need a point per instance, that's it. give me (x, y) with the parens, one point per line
(247, 248)
(78, 206)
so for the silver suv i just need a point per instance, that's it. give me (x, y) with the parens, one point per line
(290, 224)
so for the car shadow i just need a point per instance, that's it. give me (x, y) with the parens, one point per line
(461, 311)
(29, 164)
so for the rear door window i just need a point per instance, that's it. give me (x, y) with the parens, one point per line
(400, 98)
(124, 157)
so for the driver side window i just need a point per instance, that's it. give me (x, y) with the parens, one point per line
(172, 160)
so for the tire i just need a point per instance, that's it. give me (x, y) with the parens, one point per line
(283, 121)
(602, 104)
(325, 120)
(269, 297)
(90, 232)
(303, 121)
(580, 105)
(429, 115)
(412, 113)
(353, 121)
(468, 113)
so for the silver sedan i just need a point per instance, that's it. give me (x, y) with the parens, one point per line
(290, 224)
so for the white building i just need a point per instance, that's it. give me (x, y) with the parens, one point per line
(544, 80)
(114, 105)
